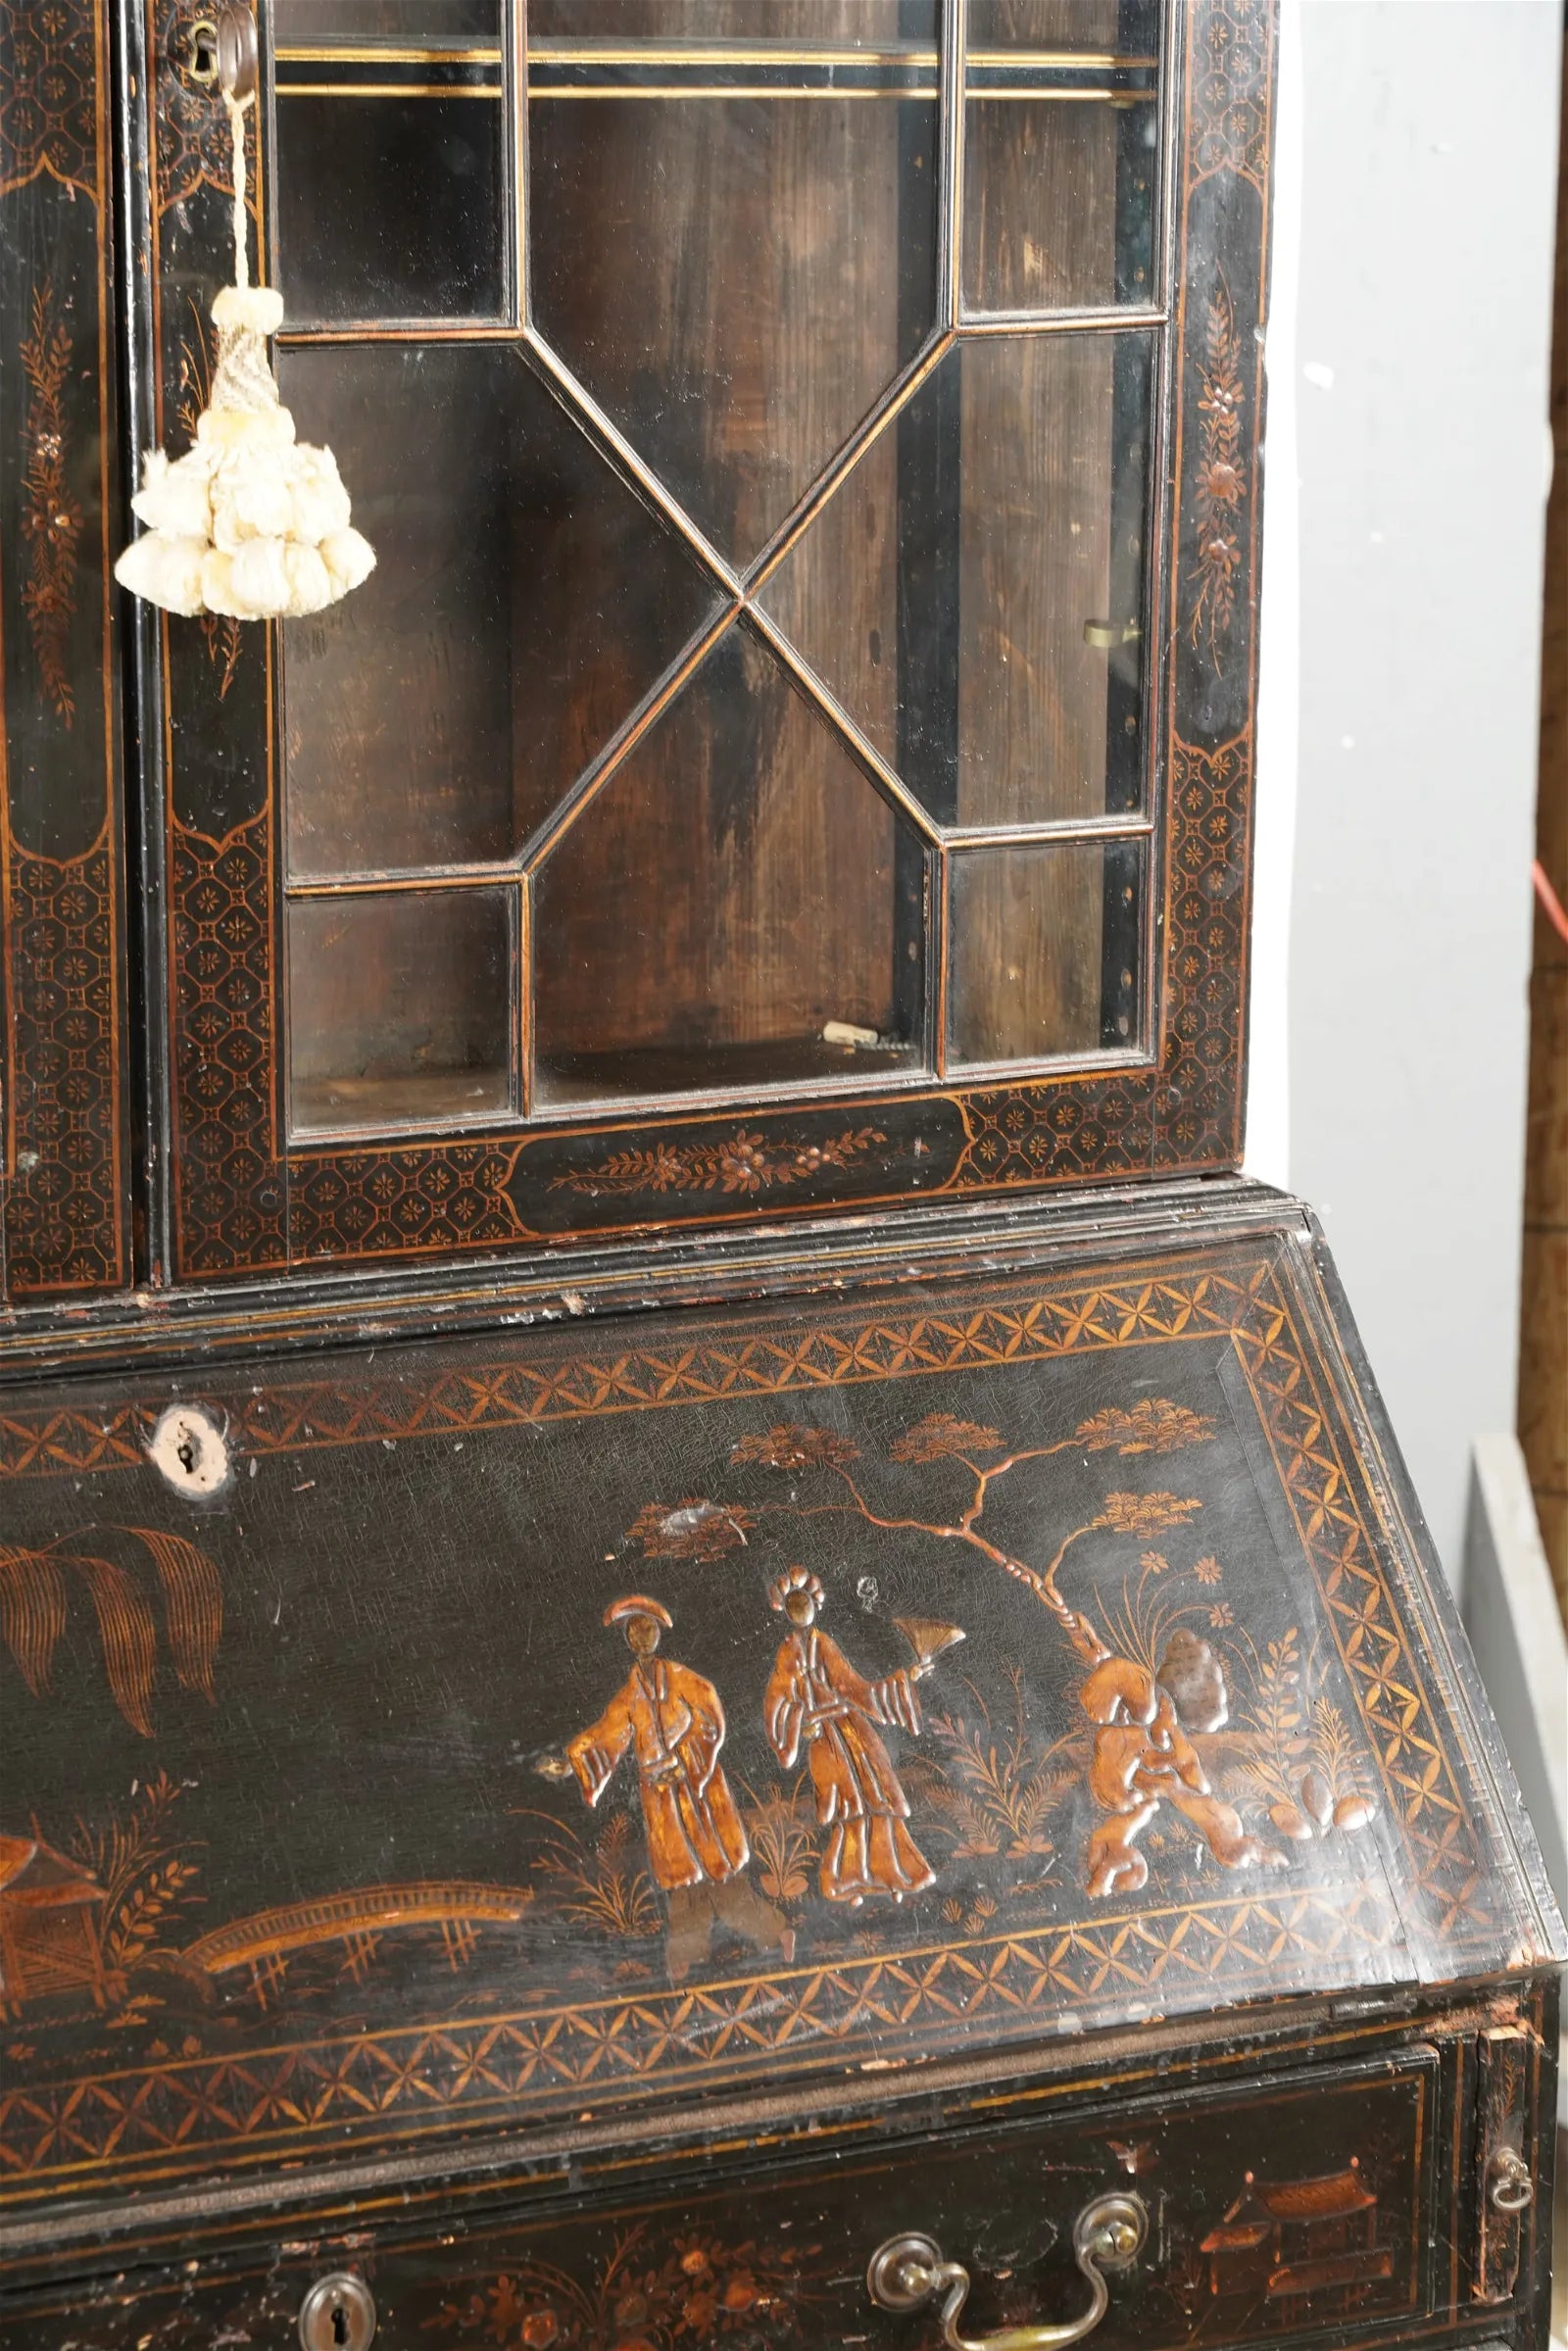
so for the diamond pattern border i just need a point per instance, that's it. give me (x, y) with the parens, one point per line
(398, 2083)
(1165, 1302)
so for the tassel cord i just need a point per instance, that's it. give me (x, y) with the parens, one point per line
(250, 521)
(236, 126)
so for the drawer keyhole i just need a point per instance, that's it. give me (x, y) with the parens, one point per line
(338, 2314)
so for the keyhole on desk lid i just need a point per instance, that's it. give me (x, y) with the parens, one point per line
(338, 2314)
(189, 1449)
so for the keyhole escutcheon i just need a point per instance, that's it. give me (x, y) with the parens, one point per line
(338, 2314)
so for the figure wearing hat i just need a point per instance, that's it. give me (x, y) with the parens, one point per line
(816, 1699)
(671, 1720)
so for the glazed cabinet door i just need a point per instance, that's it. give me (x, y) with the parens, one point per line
(742, 784)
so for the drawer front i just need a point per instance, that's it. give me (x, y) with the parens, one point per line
(1285, 2209)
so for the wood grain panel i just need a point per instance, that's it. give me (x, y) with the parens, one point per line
(1040, 204)
(1037, 468)
(399, 1008)
(525, 601)
(1044, 24)
(731, 886)
(722, 274)
(1026, 962)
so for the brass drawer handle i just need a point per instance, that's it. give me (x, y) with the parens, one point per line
(908, 2272)
(1510, 2188)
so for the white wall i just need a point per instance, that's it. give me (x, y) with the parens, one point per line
(1406, 478)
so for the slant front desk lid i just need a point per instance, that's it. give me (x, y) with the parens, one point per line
(413, 1745)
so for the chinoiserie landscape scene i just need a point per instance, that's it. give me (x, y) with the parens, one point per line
(1034, 1686)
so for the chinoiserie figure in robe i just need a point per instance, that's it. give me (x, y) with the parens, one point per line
(672, 1721)
(816, 1699)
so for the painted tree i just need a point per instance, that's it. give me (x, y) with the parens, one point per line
(35, 1586)
(1154, 1691)
(702, 1529)
(1141, 1754)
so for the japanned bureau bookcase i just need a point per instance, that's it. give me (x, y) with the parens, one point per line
(706, 1637)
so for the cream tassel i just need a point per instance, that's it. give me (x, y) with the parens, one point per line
(250, 521)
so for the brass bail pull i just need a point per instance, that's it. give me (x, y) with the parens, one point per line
(221, 52)
(909, 2272)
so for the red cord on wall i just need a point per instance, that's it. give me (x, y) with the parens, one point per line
(1550, 903)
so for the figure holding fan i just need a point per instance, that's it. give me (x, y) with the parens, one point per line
(816, 1699)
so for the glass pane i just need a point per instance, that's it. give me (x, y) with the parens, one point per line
(1060, 155)
(523, 602)
(391, 161)
(441, 21)
(1082, 27)
(1044, 950)
(737, 890)
(733, 238)
(906, 26)
(399, 1008)
(973, 592)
